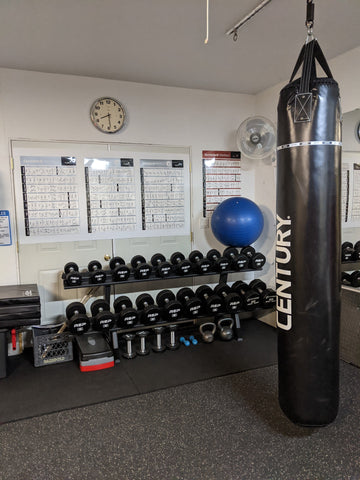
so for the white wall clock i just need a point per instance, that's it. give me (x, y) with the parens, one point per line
(108, 115)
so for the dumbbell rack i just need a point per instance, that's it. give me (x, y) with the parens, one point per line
(349, 267)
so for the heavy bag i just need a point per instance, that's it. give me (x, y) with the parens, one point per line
(308, 242)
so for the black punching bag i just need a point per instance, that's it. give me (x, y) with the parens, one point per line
(308, 242)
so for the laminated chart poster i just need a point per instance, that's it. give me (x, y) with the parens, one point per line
(68, 198)
(222, 178)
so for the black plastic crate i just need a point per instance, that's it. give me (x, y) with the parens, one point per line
(51, 347)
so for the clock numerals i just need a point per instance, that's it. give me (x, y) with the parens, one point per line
(108, 115)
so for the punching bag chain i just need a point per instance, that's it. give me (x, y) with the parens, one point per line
(309, 23)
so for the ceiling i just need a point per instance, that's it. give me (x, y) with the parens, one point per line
(162, 41)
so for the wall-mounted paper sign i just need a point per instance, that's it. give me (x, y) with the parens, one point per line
(5, 231)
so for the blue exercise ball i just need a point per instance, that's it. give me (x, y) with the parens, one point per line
(237, 222)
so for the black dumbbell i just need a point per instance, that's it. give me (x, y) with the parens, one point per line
(232, 300)
(150, 313)
(256, 259)
(159, 346)
(72, 274)
(213, 303)
(239, 261)
(181, 265)
(120, 272)
(192, 304)
(162, 267)
(267, 295)
(219, 262)
(351, 278)
(251, 298)
(127, 316)
(77, 320)
(347, 252)
(202, 265)
(142, 270)
(173, 344)
(172, 309)
(103, 319)
(97, 275)
(356, 254)
(129, 352)
(143, 350)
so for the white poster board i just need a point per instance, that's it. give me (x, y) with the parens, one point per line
(78, 194)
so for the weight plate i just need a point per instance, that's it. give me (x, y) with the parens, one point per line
(203, 266)
(173, 310)
(143, 300)
(240, 287)
(248, 251)
(137, 260)
(99, 306)
(98, 276)
(222, 264)
(222, 288)
(157, 258)
(73, 278)
(202, 291)
(121, 273)
(193, 307)
(164, 296)
(164, 270)
(79, 324)
(115, 262)
(74, 308)
(213, 255)
(183, 293)
(71, 267)
(94, 265)
(122, 302)
(142, 271)
(195, 256)
(258, 260)
(230, 252)
(241, 262)
(257, 285)
(176, 258)
(251, 300)
(233, 302)
(104, 321)
(128, 318)
(151, 314)
(214, 304)
(184, 268)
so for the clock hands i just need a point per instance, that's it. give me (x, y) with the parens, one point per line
(108, 115)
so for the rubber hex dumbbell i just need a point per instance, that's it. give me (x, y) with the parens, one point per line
(347, 252)
(162, 267)
(127, 316)
(256, 259)
(120, 272)
(150, 313)
(267, 295)
(77, 320)
(352, 279)
(103, 319)
(232, 300)
(172, 309)
(356, 254)
(192, 304)
(213, 304)
(97, 275)
(142, 270)
(72, 274)
(202, 265)
(251, 298)
(239, 261)
(181, 265)
(219, 262)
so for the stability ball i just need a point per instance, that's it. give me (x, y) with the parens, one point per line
(237, 222)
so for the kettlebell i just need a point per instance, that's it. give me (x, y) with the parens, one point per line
(225, 326)
(207, 334)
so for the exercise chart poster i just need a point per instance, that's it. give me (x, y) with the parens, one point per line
(222, 178)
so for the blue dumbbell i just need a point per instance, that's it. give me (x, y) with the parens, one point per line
(193, 340)
(184, 341)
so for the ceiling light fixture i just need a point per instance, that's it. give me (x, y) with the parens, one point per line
(234, 30)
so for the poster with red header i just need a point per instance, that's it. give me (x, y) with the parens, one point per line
(221, 178)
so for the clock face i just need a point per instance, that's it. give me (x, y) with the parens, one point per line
(108, 115)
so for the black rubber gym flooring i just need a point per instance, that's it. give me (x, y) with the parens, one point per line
(30, 391)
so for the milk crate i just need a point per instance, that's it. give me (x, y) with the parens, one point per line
(51, 347)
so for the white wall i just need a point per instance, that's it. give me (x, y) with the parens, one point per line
(41, 106)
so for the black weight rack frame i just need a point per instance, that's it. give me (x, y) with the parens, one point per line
(114, 332)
